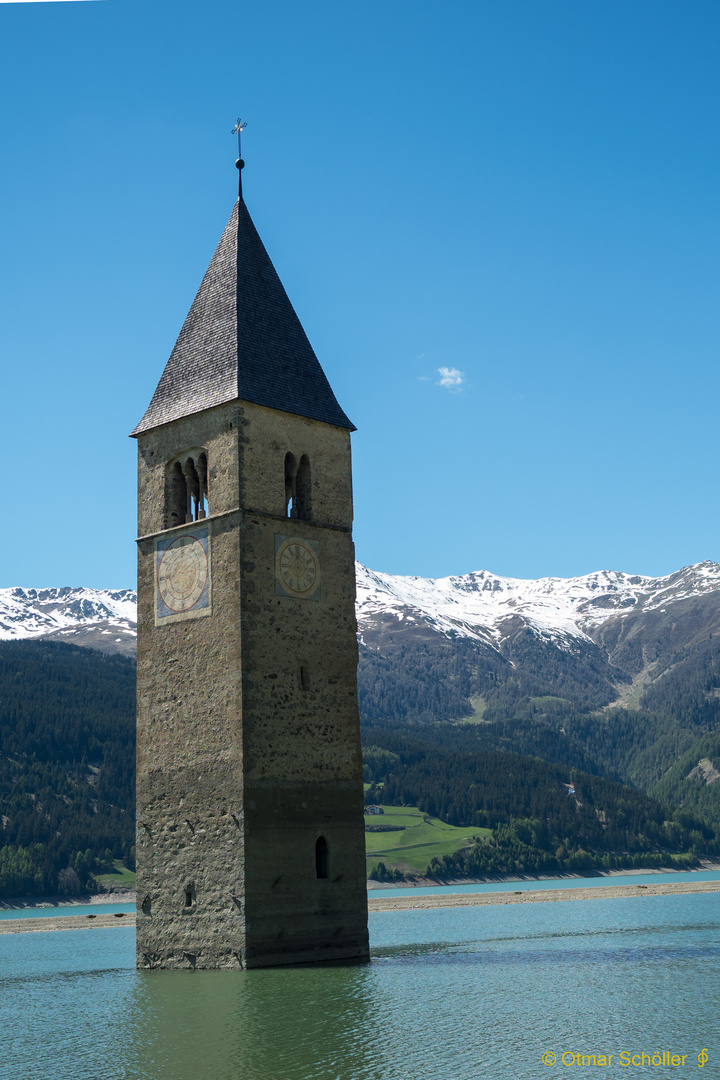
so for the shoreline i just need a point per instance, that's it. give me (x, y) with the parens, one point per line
(399, 903)
(530, 896)
(129, 896)
(23, 903)
(425, 883)
(67, 922)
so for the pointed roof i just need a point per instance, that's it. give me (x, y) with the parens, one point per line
(242, 339)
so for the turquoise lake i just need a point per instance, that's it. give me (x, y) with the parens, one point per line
(474, 887)
(455, 994)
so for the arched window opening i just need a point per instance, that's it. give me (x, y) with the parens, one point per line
(187, 490)
(203, 508)
(303, 490)
(192, 483)
(178, 496)
(289, 485)
(322, 858)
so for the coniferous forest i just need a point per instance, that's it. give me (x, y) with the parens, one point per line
(537, 749)
(544, 817)
(67, 766)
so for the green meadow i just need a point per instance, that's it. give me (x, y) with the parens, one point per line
(119, 880)
(418, 839)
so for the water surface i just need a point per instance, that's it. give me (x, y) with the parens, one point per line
(490, 886)
(53, 910)
(458, 994)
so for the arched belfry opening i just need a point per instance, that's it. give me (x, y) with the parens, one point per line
(289, 485)
(303, 489)
(298, 488)
(187, 489)
(322, 858)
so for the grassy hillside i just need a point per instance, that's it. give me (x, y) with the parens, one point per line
(417, 839)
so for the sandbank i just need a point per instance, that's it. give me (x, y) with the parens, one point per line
(401, 903)
(536, 896)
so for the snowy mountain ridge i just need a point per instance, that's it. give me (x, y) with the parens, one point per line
(100, 618)
(479, 606)
(484, 606)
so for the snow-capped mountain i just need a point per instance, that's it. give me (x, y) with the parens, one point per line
(99, 618)
(486, 608)
(479, 606)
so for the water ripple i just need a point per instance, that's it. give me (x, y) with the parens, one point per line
(458, 994)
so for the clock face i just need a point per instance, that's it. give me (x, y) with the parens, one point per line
(182, 574)
(297, 566)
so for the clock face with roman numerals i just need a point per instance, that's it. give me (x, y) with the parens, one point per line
(297, 567)
(182, 575)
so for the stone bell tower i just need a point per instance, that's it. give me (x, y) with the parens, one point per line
(250, 848)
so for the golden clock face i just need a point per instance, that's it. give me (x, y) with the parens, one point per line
(297, 566)
(182, 573)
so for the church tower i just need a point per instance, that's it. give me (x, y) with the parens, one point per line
(250, 848)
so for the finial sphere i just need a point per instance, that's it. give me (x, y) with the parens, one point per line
(239, 164)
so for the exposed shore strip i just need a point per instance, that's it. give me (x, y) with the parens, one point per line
(399, 903)
(535, 896)
(66, 922)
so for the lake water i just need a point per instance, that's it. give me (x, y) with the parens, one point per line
(457, 994)
(488, 886)
(53, 910)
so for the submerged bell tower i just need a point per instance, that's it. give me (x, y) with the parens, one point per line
(250, 847)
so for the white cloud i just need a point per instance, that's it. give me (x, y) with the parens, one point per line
(451, 378)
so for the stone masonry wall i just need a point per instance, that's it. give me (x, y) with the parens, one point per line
(301, 737)
(189, 745)
(242, 764)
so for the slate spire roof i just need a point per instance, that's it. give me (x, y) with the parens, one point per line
(242, 339)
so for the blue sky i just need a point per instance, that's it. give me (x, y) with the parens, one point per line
(525, 193)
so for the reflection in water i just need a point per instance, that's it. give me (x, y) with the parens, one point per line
(276, 1023)
(457, 994)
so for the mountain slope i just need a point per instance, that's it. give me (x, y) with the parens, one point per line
(543, 817)
(67, 765)
(613, 673)
(486, 608)
(606, 608)
(98, 618)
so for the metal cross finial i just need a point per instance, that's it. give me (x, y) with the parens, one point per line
(238, 130)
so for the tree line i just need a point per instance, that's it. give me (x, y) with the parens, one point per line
(543, 817)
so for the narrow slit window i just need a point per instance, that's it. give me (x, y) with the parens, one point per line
(322, 859)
